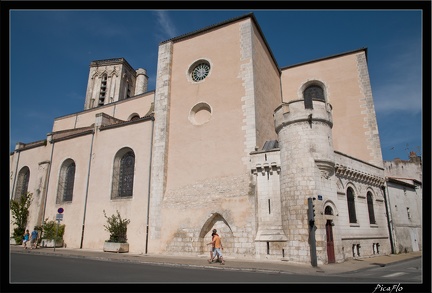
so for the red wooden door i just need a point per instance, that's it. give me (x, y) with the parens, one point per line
(330, 245)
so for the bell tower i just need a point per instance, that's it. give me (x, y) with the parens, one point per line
(112, 80)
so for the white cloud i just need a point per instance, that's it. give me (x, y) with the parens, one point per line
(400, 96)
(400, 81)
(165, 24)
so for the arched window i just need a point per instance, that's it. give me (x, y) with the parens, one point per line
(123, 174)
(23, 181)
(370, 208)
(351, 205)
(66, 182)
(328, 210)
(312, 92)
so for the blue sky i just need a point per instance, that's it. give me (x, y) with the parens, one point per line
(51, 50)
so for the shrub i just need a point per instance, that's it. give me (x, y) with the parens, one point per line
(117, 227)
(20, 213)
(51, 230)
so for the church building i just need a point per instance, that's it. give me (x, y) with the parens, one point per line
(285, 162)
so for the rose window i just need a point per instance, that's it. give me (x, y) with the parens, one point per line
(200, 71)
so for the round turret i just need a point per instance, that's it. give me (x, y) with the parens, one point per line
(141, 81)
(307, 161)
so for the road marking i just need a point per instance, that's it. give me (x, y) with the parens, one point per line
(394, 275)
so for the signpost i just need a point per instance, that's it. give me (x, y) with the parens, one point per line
(59, 217)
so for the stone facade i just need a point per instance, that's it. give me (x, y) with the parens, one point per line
(235, 149)
(404, 199)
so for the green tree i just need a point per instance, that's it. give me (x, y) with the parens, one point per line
(117, 227)
(20, 213)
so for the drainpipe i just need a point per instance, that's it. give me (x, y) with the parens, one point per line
(149, 186)
(76, 120)
(114, 110)
(87, 187)
(389, 217)
(47, 181)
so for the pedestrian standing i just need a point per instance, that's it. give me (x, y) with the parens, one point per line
(26, 238)
(34, 238)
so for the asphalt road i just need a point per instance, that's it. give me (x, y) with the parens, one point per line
(28, 269)
(408, 271)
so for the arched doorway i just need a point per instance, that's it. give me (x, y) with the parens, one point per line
(329, 233)
(217, 221)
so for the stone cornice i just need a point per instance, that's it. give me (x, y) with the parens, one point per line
(356, 175)
(26, 146)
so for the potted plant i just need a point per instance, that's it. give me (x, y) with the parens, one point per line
(117, 227)
(52, 234)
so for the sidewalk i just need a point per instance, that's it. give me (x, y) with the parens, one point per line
(278, 266)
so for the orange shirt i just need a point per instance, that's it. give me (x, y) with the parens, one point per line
(217, 241)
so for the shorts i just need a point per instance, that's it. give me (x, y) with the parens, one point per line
(33, 240)
(218, 251)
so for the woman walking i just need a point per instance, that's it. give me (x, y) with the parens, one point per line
(26, 239)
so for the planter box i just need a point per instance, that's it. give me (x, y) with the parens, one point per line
(115, 247)
(50, 243)
(12, 241)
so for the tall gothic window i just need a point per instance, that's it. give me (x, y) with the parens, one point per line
(23, 181)
(123, 174)
(351, 205)
(66, 182)
(128, 91)
(370, 208)
(313, 92)
(103, 89)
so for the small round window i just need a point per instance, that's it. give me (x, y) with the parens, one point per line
(200, 71)
(200, 113)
